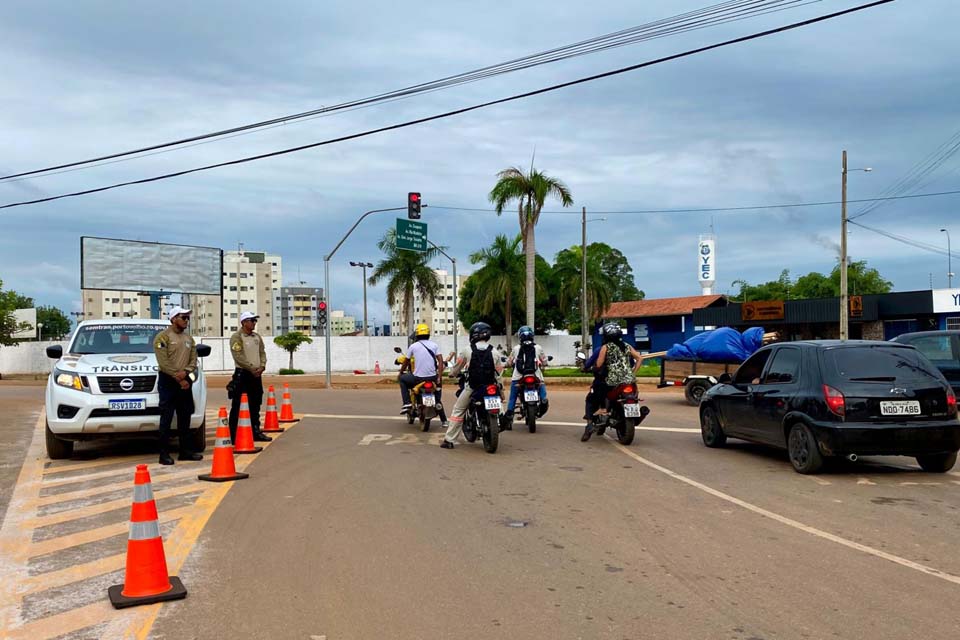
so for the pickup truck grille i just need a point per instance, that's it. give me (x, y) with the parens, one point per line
(141, 384)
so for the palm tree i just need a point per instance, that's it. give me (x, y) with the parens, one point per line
(404, 272)
(499, 278)
(530, 190)
(569, 270)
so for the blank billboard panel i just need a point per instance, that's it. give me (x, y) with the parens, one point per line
(131, 265)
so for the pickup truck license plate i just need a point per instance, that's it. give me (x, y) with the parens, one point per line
(900, 407)
(631, 410)
(138, 404)
(429, 400)
(492, 403)
(531, 396)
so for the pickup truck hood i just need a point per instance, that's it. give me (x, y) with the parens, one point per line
(94, 364)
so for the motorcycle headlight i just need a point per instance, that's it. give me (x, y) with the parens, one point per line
(68, 379)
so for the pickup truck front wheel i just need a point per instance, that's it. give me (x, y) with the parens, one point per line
(57, 449)
(694, 391)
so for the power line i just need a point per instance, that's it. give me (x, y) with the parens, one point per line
(448, 114)
(905, 240)
(721, 209)
(723, 13)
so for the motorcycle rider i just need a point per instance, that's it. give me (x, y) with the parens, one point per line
(483, 366)
(613, 364)
(527, 358)
(427, 365)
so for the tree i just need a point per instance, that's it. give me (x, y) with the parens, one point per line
(405, 271)
(291, 341)
(530, 191)
(468, 313)
(56, 325)
(609, 279)
(616, 265)
(499, 280)
(861, 280)
(9, 302)
(779, 289)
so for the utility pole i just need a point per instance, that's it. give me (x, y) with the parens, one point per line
(583, 279)
(844, 328)
(949, 261)
(364, 265)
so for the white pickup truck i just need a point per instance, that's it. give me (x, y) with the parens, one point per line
(105, 385)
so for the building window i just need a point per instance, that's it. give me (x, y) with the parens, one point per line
(233, 315)
(953, 324)
(232, 275)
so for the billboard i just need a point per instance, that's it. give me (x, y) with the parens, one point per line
(132, 265)
(706, 261)
(946, 300)
(28, 316)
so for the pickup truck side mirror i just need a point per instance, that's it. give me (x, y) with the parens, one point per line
(203, 350)
(55, 351)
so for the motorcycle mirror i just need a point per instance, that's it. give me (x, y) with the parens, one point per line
(397, 350)
(581, 355)
(549, 358)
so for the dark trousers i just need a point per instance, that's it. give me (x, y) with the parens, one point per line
(596, 397)
(408, 381)
(174, 400)
(252, 386)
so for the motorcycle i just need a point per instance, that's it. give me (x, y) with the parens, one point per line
(624, 413)
(425, 406)
(531, 405)
(483, 417)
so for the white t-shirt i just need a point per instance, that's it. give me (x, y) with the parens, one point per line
(541, 358)
(424, 363)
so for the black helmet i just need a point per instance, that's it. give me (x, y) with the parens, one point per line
(525, 334)
(612, 332)
(480, 331)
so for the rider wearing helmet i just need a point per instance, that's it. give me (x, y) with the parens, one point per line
(423, 357)
(613, 364)
(483, 365)
(527, 358)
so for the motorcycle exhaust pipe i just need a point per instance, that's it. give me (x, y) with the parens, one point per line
(852, 457)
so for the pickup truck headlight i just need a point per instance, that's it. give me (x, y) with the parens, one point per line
(68, 379)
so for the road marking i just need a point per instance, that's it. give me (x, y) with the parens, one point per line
(866, 481)
(335, 416)
(75, 573)
(910, 564)
(57, 498)
(819, 481)
(104, 507)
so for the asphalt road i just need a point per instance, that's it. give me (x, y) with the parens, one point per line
(362, 527)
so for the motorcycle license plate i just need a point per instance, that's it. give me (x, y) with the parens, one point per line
(492, 403)
(429, 400)
(531, 396)
(138, 404)
(631, 411)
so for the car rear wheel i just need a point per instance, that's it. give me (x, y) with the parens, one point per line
(803, 449)
(710, 429)
(57, 449)
(940, 463)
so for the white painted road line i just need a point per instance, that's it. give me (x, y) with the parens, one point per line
(334, 416)
(910, 564)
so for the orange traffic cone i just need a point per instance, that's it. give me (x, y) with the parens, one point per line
(146, 580)
(270, 422)
(223, 467)
(376, 367)
(286, 409)
(244, 442)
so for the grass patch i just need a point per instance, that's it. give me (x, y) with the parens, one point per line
(291, 372)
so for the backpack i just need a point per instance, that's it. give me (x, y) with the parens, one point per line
(526, 359)
(482, 371)
(617, 365)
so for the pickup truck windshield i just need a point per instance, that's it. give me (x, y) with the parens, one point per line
(115, 338)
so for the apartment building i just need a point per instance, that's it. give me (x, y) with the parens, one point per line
(251, 282)
(439, 314)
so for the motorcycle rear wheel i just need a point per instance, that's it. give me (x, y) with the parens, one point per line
(626, 429)
(532, 421)
(425, 424)
(470, 428)
(490, 428)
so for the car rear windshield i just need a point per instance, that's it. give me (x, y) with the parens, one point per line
(114, 338)
(878, 364)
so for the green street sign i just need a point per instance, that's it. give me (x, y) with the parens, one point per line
(411, 235)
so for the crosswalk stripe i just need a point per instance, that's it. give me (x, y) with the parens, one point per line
(104, 507)
(57, 498)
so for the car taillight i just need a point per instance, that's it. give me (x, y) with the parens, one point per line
(629, 389)
(835, 400)
(529, 380)
(951, 402)
(492, 390)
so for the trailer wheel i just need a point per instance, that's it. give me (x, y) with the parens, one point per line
(694, 391)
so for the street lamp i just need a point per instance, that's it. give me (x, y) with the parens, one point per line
(39, 331)
(949, 263)
(844, 312)
(456, 326)
(583, 277)
(364, 265)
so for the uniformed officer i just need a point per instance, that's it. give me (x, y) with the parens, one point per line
(177, 360)
(250, 357)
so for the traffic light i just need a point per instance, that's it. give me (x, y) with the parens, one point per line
(322, 315)
(413, 206)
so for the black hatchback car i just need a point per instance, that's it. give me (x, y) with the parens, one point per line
(826, 398)
(941, 348)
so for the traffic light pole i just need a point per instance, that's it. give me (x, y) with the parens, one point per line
(326, 284)
(456, 326)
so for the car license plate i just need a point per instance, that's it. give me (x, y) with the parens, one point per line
(900, 407)
(531, 396)
(429, 400)
(492, 403)
(138, 404)
(631, 410)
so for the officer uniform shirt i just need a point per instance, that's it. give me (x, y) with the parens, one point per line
(175, 352)
(248, 351)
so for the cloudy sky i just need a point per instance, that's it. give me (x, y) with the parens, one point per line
(754, 124)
